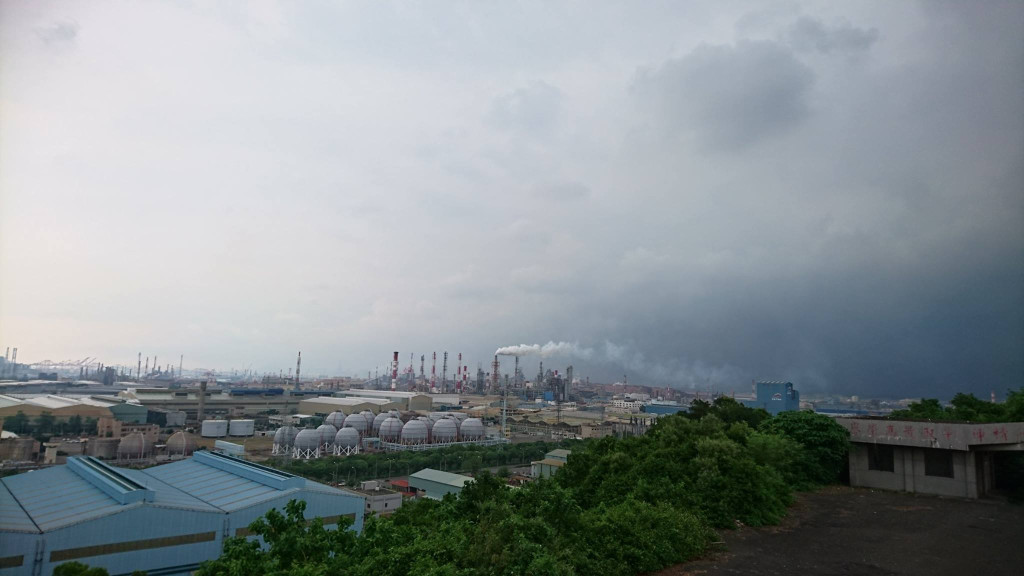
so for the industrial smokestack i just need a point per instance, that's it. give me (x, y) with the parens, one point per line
(444, 374)
(458, 376)
(138, 369)
(433, 372)
(394, 372)
(181, 362)
(202, 401)
(298, 365)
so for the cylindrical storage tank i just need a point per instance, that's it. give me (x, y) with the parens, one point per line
(132, 446)
(390, 430)
(357, 421)
(181, 443)
(336, 419)
(377, 421)
(472, 429)
(347, 438)
(285, 436)
(414, 432)
(214, 428)
(242, 428)
(307, 439)
(327, 434)
(444, 431)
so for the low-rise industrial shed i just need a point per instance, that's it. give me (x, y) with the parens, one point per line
(943, 458)
(324, 405)
(162, 520)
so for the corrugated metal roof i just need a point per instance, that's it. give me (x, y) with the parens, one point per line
(348, 400)
(55, 497)
(440, 477)
(215, 487)
(559, 453)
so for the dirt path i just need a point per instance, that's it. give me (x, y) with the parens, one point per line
(846, 531)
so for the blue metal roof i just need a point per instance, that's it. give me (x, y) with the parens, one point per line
(60, 496)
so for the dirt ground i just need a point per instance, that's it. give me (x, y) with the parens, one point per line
(847, 531)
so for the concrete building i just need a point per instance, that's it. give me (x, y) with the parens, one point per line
(551, 463)
(113, 428)
(775, 397)
(323, 405)
(379, 499)
(946, 459)
(163, 520)
(663, 408)
(435, 483)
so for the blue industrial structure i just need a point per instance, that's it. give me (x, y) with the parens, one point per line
(163, 520)
(775, 397)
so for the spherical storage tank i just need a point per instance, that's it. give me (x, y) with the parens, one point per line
(132, 446)
(336, 419)
(390, 430)
(369, 419)
(181, 443)
(327, 433)
(307, 439)
(435, 416)
(285, 436)
(357, 421)
(377, 421)
(347, 438)
(214, 428)
(242, 428)
(444, 431)
(472, 429)
(414, 432)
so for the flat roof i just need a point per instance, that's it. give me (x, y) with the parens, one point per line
(347, 401)
(431, 475)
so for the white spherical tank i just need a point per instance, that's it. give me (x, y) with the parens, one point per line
(347, 438)
(214, 428)
(369, 419)
(327, 434)
(414, 432)
(285, 436)
(307, 439)
(336, 419)
(377, 421)
(472, 429)
(242, 428)
(435, 416)
(390, 430)
(444, 431)
(357, 421)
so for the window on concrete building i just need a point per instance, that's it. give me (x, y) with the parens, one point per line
(938, 462)
(881, 457)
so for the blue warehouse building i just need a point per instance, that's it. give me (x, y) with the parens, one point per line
(775, 397)
(164, 520)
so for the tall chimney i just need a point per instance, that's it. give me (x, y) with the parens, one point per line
(202, 401)
(458, 375)
(298, 364)
(394, 372)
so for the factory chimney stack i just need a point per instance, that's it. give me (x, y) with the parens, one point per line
(298, 365)
(202, 401)
(394, 372)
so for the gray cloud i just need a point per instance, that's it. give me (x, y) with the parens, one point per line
(57, 33)
(810, 34)
(534, 108)
(729, 96)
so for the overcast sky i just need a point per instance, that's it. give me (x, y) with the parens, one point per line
(695, 193)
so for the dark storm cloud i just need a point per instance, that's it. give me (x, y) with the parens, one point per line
(729, 96)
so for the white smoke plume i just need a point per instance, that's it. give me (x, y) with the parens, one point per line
(572, 349)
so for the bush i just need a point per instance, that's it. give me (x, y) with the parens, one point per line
(826, 443)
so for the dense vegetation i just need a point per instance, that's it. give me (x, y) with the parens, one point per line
(620, 506)
(351, 469)
(966, 408)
